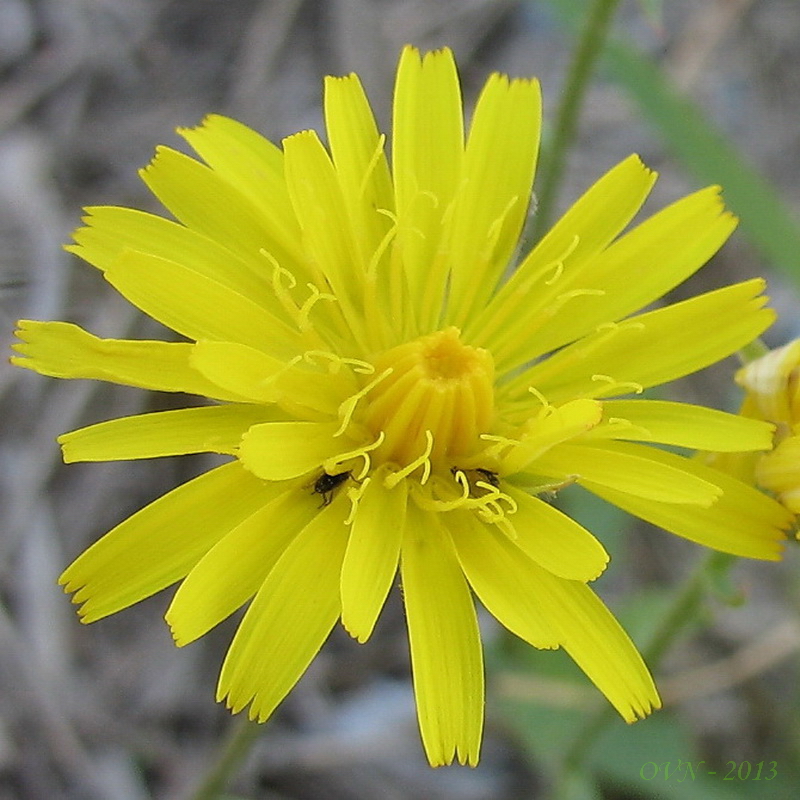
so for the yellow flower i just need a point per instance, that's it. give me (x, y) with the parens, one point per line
(772, 386)
(392, 397)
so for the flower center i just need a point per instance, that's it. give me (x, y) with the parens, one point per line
(439, 385)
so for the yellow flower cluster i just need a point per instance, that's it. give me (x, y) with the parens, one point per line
(772, 386)
(395, 389)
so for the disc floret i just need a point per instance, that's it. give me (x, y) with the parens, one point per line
(437, 384)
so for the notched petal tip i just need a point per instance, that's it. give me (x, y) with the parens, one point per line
(355, 630)
(161, 153)
(601, 568)
(465, 756)
(331, 80)
(207, 120)
(23, 324)
(238, 704)
(634, 159)
(206, 124)
(84, 617)
(24, 329)
(412, 57)
(79, 598)
(644, 708)
(178, 638)
(69, 583)
(776, 553)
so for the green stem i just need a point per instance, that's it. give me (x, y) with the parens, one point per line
(589, 47)
(681, 612)
(240, 740)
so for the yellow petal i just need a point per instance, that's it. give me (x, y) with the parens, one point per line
(198, 307)
(743, 521)
(770, 385)
(527, 300)
(446, 656)
(159, 544)
(554, 540)
(233, 570)
(598, 644)
(277, 451)
(547, 611)
(779, 472)
(253, 166)
(361, 166)
(238, 368)
(560, 425)
(683, 425)
(492, 200)
(326, 229)
(212, 429)
(427, 153)
(109, 231)
(63, 350)
(636, 470)
(203, 200)
(679, 239)
(653, 348)
(289, 619)
(370, 563)
(501, 578)
(259, 377)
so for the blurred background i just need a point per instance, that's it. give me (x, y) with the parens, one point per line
(703, 91)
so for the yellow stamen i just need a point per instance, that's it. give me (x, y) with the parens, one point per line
(609, 386)
(373, 162)
(283, 282)
(347, 408)
(423, 461)
(336, 463)
(505, 306)
(335, 362)
(540, 397)
(487, 505)
(305, 309)
(354, 495)
(501, 447)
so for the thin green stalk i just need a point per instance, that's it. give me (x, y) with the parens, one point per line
(683, 610)
(240, 740)
(685, 606)
(589, 48)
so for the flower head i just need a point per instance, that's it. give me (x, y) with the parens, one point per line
(772, 393)
(392, 397)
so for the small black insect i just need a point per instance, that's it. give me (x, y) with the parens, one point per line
(486, 475)
(326, 484)
(490, 477)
